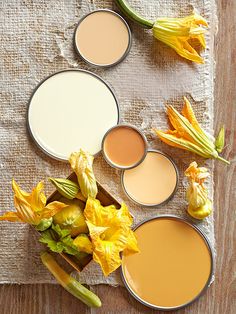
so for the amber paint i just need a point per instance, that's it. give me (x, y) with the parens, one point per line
(124, 146)
(173, 266)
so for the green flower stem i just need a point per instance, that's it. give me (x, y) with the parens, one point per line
(133, 15)
(224, 160)
(69, 283)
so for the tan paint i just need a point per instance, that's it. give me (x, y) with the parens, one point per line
(173, 266)
(153, 181)
(102, 38)
(124, 146)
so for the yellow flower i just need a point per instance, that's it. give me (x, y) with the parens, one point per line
(197, 195)
(110, 232)
(202, 211)
(31, 208)
(178, 33)
(196, 192)
(82, 164)
(188, 134)
(83, 243)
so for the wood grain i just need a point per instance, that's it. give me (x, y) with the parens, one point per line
(221, 297)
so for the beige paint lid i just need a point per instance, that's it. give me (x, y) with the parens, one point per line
(102, 38)
(174, 264)
(153, 181)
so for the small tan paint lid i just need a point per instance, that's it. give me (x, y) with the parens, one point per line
(124, 146)
(174, 265)
(102, 38)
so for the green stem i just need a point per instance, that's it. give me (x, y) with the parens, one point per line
(224, 160)
(133, 15)
(69, 283)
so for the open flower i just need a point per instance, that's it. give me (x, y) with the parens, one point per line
(178, 33)
(31, 208)
(188, 134)
(82, 164)
(110, 233)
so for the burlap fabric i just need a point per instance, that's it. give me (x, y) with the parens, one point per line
(35, 41)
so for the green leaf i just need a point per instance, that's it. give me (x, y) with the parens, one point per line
(53, 245)
(58, 240)
(61, 233)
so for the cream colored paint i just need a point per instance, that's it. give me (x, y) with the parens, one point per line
(173, 266)
(153, 181)
(102, 38)
(71, 110)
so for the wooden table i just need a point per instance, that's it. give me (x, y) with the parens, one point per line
(221, 297)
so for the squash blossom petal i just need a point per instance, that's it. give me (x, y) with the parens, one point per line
(110, 233)
(178, 33)
(82, 164)
(188, 134)
(31, 207)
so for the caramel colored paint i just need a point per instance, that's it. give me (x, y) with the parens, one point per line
(102, 38)
(124, 146)
(153, 181)
(173, 266)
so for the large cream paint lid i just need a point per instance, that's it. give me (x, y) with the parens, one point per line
(69, 110)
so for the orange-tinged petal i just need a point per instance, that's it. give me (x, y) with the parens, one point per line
(38, 199)
(176, 122)
(25, 212)
(107, 256)
(188, 113)
(132, 244)
(168, 139)
(11, 216)
(52, 209)
(182, 144)
(110, 233)
(178, 33)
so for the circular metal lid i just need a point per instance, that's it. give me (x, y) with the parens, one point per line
(134, 198)
(119, 146)
(69, 110)
(92, 39)
(174, 265)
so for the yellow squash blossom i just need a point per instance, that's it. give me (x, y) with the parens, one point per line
(177, 33)
(82, 164)
(188, 134)
(197, 195)
(31, 208)
(110, 233)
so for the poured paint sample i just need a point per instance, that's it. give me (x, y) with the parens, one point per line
(153, 181)
(102, 38)
(71, 110)
(174, 264)
(124, 146)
